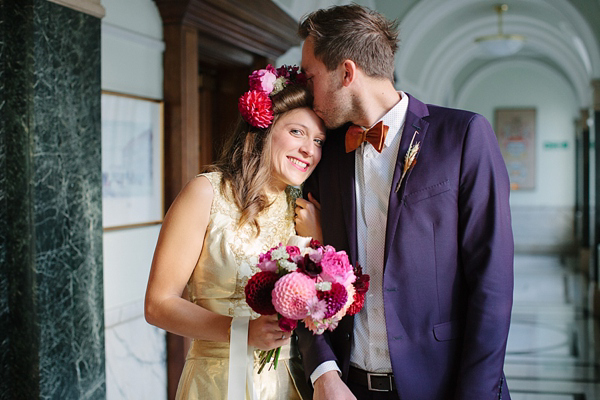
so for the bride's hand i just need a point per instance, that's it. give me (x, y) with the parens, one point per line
(308, 218)
(264, 333)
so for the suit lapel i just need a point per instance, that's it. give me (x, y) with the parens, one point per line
(414, 132)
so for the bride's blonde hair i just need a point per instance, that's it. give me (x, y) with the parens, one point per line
(245, 162)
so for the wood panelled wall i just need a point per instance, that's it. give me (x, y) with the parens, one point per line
(211, 46)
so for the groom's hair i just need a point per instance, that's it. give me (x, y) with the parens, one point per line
(356, 33)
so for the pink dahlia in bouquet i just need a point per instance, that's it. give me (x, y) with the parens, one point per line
(311, 283)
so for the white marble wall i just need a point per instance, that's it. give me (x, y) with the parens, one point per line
(135, 356)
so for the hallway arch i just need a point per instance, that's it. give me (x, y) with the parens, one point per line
(438, 44)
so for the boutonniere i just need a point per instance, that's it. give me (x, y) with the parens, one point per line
(410, 159)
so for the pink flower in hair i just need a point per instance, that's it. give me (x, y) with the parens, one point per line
(292, 294)
(263, 80)
(256, 108)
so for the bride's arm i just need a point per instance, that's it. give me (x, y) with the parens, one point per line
(308, 218)
(177, 252)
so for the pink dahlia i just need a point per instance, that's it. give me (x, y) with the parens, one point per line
(258, 292)
(336, 266)
(292, 294)
(335, 298)
(256, 108)
(263, 80)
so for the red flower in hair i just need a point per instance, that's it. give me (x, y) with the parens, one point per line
(256, 108)
(258, 292)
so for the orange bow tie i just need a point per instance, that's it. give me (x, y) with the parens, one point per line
(356, 135)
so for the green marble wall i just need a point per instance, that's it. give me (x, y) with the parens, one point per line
(51, 294)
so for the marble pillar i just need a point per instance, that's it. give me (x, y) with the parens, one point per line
(51, 293)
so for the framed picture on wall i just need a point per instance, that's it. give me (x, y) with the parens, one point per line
(132, 161)
(515, 129)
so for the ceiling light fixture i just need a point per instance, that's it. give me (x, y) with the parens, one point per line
(500, 44)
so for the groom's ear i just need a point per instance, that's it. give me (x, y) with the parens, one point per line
(349, 71)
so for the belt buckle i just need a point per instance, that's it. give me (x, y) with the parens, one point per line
(371, 388)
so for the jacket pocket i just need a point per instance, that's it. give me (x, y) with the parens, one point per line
(448, 330)
(427, 192)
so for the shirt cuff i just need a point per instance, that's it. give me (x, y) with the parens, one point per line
(324, 367)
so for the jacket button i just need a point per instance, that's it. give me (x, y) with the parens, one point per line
(347, 336)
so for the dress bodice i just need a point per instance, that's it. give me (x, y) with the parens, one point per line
(230, 253)
(228, 259)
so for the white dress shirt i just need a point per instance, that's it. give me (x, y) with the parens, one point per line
(370, 347)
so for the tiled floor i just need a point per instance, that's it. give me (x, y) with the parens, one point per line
(551, 353)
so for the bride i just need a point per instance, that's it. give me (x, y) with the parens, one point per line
(214, 230)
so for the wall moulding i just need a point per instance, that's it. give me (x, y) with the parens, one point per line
(91, 7)
(258, 27)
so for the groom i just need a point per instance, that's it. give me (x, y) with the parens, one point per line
(431, 228)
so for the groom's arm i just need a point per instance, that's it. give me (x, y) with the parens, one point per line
(316, 352)
(487, 249)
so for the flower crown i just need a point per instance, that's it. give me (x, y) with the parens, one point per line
(255, 105)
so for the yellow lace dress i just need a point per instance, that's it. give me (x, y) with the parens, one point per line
(228, 259)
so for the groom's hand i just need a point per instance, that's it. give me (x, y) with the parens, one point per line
(330, 386)
(308, 218)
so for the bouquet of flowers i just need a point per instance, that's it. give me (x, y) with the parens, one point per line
(316, 285)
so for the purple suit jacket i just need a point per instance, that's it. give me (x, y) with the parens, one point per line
(448, 279)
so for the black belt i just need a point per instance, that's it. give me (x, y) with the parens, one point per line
(375, 382)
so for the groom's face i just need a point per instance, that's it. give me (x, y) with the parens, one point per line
(330, 101)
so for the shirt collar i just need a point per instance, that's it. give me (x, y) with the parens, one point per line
(395, 118)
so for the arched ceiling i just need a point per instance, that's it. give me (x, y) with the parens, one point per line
(438, 55)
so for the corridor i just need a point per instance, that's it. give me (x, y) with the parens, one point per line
(550, 353)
